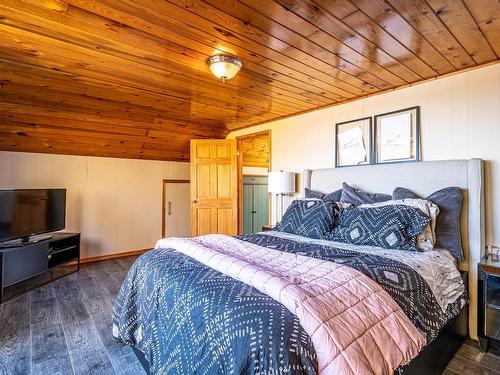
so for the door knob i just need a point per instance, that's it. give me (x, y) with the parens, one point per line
(194, 201)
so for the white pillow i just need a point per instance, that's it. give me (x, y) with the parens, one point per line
(427, 238)
(343, 205)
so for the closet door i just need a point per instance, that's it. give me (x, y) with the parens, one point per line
(260, 206)
(255, 204)
(248, 208)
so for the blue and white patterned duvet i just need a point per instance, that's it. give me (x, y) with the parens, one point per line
(190, 319)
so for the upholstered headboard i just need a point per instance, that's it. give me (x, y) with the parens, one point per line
(423, 178)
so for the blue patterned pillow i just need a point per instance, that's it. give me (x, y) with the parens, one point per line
(390, 227)
(311, 218)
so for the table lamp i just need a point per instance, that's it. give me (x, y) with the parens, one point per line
(281, 183)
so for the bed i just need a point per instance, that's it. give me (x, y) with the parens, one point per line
(255, 303)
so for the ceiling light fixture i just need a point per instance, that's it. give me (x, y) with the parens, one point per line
(224, 67)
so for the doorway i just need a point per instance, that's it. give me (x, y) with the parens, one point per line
(176, 209)
(254, 164)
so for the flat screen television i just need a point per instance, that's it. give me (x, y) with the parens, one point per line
(28, 212)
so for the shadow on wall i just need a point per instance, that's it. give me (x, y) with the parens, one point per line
(91, 246)
(75, 217)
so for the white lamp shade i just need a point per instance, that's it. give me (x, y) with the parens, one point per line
(281, 182)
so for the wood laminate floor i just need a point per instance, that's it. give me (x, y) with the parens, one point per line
(65, 328)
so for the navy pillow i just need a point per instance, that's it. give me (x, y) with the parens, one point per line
(449, 200)
(308, 193)
(390, 227)
(309, 218)
(334, 196)
(357, 197)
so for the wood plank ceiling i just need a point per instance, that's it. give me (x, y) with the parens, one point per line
(128, 78)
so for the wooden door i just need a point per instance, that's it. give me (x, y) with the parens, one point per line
(176, 208)
(214, 196)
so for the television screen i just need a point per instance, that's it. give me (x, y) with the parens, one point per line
(26, 212)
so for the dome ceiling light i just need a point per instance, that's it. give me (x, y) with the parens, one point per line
(224, 67)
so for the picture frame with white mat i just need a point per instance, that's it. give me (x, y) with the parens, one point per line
(397, 136)
(353, 142)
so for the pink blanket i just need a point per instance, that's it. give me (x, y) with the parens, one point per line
(355, 326)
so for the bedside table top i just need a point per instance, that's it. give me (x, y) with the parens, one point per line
(491, 263)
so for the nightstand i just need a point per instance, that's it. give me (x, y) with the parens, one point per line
(488, 301)
(267, 228)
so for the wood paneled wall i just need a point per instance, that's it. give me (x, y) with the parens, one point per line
(255, 150)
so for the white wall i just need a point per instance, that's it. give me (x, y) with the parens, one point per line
(460, 119)
(114, 203)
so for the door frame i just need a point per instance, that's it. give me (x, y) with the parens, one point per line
(240, 173)
(166, 181)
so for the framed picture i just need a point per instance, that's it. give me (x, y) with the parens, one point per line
(397, 136)
(353, 142)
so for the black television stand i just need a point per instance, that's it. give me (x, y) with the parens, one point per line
(26, 266)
